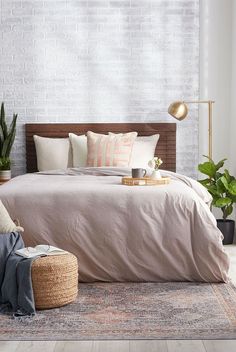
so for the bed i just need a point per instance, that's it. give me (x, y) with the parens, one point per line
(119, 233)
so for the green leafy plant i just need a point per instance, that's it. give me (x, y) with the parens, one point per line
(5, 164)
(221, 185)
(7, 137)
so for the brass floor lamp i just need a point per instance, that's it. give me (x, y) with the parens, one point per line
(179, 110)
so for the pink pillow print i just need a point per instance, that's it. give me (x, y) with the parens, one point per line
(109, 150)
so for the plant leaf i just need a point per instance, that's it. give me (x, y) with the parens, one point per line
(224, 182)
(233, 198)
(208, 168)
(220, 164)
(213, 190)
(205, 182)
(11, 135)
(222, 202)
(215, 198)
(5, 147)
(5, 164)
(220, 186)
(1, 140)
(218, 175)
(3, 122)
(228, 210)
(207, 156)
(232, 187)
(227, 175)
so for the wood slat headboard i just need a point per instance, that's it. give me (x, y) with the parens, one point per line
(166, 146)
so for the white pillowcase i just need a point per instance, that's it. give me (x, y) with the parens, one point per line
(79, 148)
(53, 153)
(143, 150)
(6, 223)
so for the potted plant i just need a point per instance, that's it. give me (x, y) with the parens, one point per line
(7, 137)
(222, 186)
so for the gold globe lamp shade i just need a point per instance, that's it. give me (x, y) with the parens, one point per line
(178, 110)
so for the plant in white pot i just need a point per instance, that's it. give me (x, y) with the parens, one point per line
(222, 187)
(7, 137)
(154, 164)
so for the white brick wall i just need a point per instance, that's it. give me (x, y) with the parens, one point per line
(100, 60)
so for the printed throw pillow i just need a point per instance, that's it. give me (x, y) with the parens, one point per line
(110, 150)
(6, 223)
(143, 150)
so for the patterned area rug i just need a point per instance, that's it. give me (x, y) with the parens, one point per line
(134, 311)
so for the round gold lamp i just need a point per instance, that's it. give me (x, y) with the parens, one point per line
(179, 110)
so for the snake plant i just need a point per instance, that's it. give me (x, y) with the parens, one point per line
(7, 137)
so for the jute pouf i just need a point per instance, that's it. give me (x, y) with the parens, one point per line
(54, 280)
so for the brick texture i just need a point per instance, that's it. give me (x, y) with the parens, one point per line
(99, 60)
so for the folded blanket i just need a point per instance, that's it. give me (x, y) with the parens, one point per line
(16, 293)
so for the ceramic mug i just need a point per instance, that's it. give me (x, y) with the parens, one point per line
(138, 173)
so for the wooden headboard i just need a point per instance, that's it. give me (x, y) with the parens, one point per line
(166, 146)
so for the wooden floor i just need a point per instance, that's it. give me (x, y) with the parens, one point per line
(132, 345)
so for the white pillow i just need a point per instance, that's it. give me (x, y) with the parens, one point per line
(79, 148)
(6, 223)
(53, 153)
(143, 150)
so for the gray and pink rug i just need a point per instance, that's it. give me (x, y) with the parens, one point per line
(134, 311)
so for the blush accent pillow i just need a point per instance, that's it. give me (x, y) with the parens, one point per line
(53, 153)
(109, 150)
(79, 148)
(143, 150)
(6, 223)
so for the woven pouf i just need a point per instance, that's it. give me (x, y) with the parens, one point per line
(54, 280)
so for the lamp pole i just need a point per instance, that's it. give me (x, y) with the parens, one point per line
(210, 107)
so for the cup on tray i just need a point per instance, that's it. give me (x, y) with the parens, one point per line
(138, 173)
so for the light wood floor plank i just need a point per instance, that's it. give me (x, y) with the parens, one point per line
(74, 346)
(220, 345)
(111, 346)
(185, 346)
(36, 346)
(120, 346)
(8, 346)
(148, 346)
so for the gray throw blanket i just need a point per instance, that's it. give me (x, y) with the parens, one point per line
(16, 293)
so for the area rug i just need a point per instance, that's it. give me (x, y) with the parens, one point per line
(134, 311)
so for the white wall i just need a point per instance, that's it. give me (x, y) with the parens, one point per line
(218, 78)
(215, 74)
(233, 95)
(100, 60)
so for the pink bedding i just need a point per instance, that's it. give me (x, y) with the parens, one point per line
(121, 233)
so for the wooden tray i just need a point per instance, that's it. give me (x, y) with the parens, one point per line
(144, 181)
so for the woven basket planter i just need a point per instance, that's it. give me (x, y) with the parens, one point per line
(54, 280)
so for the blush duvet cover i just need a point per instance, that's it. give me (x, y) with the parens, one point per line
(118, 232)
